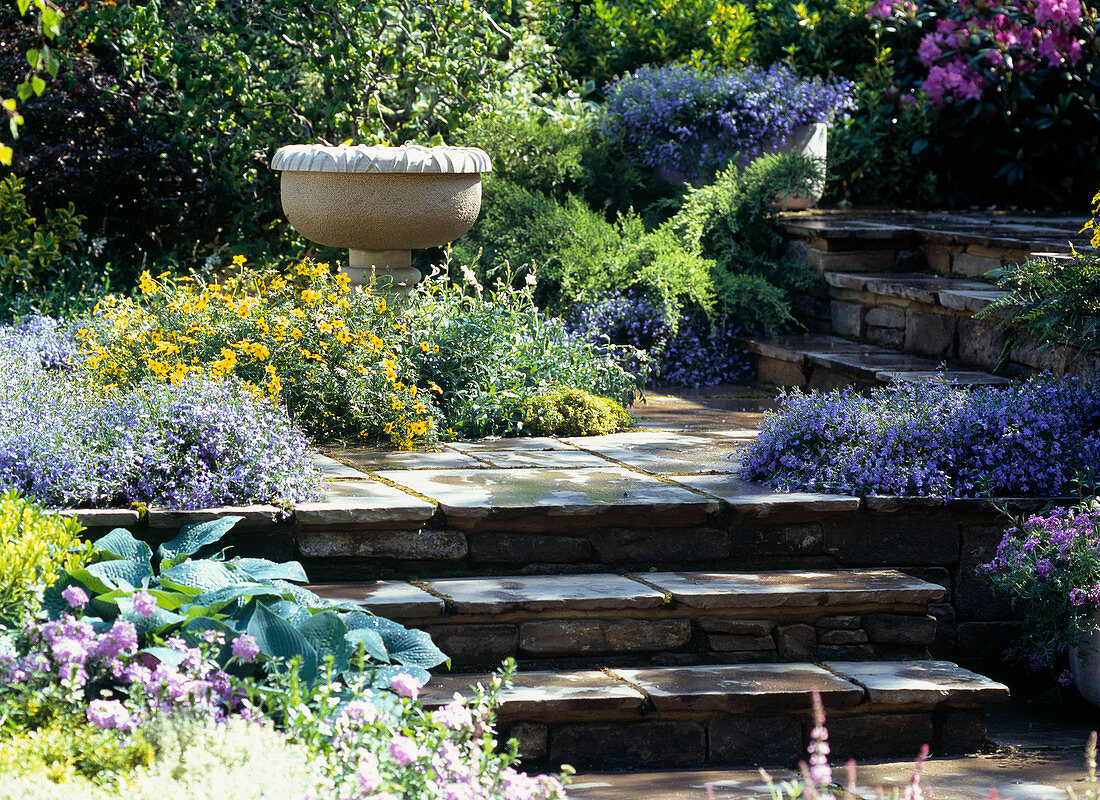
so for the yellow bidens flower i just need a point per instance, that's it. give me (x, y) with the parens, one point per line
(147, 284)
(239, 261)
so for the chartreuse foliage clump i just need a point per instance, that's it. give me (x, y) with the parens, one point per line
(234, 596)
(35, 548)
(573, 412)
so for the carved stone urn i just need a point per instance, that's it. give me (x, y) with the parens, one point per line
(381, 203)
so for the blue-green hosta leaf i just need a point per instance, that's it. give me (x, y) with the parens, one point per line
(161, 619)
(106, 576)
(383, 676)
(370, 641)
(165, 655)
(279, 639)
(120, 543)
(263, 570)
(197, 577)
(325, 631)
(404, 646)
(301, 595)
(192, 538)
(218, 599)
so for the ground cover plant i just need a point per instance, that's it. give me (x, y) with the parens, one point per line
(1048, 567)
(1033, 438)
(115, 694)
(66, 442)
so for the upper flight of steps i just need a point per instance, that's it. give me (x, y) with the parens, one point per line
(898, 299)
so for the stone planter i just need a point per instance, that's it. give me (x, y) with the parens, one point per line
(1084, 663)
(381, 202)
(810, 141)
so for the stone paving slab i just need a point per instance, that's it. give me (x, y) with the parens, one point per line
(331, 469)
(755, 499)
(543, 694)
(868, 365)
(371, 459)
(558, 459)
(797, 348)
(492, 595)
(542, 497)
(774, 589)
(254, 516)
(727, 408)
(920, 682)
(666, 453)
(350, 503)
(521, 443)
(742, 688)
(397, 599)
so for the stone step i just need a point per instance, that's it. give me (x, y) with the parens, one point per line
(931, 315)
(733, 714)
(822, 363)
(967, 244)
(661, 617)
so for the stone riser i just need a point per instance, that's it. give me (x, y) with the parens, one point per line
(670, 741)
(675, 638)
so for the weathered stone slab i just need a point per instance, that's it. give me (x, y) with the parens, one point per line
(331, 469)
(422, 545)
(542, 458)
(591, 636)
(846, 319)
(794, 589)
(533, 739)
(886, 317)
(917, 539)
(930, 334)
(865, 735)
(527, 548)
(776, 540)
(659, 544)
(938, 376)
(912, 629)
(796, 641)
(890, 337)
(730, 643)
(755, 500)
(253, 516)
(367, 503)
(920, 682)
(975, 598)
(742, 688)
(971, 300)
(372, 458)
(542, 593)
(795, 348)
(665, 742)
(394, 599)
(543, 695)
(739, 740)
(981, 343)
(737, 627)
(548, 499)
(840, 622)
(867, 366)
(102, 517)
(666, 452)
(484, 644)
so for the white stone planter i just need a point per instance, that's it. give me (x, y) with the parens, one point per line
(811, 141)
(1084, 664)
(381, 202)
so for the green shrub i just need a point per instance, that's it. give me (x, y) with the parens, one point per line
(569, 411)
(493, 351)
(35, 547)
(822, 38)
(606, 38)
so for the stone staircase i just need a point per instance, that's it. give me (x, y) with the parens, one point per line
(898, 299)
(663, 612)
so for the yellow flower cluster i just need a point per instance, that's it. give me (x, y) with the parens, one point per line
(331, 354)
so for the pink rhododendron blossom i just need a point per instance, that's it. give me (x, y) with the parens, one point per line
(1054, 12)
(881, 9)
(929, 51)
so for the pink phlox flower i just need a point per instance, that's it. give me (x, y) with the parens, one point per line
(109, 715)
(404, 750)
(246, 648)
(144, 603)
(405, 685)
(75, 597)
(454, 716)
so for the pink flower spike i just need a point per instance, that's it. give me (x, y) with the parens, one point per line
(144, 603)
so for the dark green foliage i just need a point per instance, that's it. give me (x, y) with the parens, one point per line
(1054, 301)
(823, 38)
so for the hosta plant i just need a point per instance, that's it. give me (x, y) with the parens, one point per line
(175, 592)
